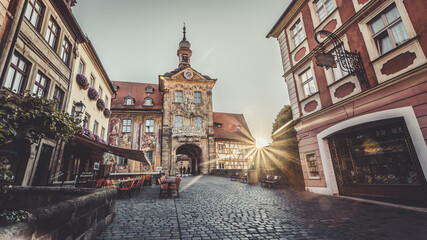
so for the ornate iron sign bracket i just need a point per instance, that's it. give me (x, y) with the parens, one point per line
(350, 62)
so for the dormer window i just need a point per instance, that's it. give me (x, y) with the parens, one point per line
(149, 89)
(148, 101)
(129, 101)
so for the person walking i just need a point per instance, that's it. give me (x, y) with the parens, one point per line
(185, 170)
(189, 170)
(180, 170)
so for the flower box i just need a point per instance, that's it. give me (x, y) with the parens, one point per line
(82, 81)
(100, 104)
(92, 94)
(107, 112)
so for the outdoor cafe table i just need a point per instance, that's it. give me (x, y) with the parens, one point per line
(170, 181)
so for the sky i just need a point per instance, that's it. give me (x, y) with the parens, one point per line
(137, 40)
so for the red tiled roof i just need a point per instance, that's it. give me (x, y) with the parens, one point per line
(137, 91)
(233, 127)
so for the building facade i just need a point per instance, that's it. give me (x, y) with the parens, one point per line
(182, 119)
(234, 143)
(135, 123)
(363, 137)
(41, 62)
(90, 86)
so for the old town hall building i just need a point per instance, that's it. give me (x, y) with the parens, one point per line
(175, 118)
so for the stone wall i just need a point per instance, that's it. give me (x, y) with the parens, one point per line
(81, 217)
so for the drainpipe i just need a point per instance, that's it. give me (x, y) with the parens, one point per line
(12, 46)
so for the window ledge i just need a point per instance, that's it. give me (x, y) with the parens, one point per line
(297, 46)
(339, 80)
(314, 178)
(305, 98)
(395, 49)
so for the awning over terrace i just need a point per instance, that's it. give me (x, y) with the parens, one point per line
(97, 147)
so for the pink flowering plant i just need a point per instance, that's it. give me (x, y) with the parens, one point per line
(92, 94)
(100, 104)
(107, 112)
(82, 81)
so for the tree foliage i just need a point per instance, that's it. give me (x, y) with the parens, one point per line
(285, 148)
(26, 117)
(284, 116)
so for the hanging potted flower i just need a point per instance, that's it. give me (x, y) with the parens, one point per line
(100, 104)
(82, 81)
(92, 94)
(107, 112)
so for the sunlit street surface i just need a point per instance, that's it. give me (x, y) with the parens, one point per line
(216, 208)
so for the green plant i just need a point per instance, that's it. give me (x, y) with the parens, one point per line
(27, 118)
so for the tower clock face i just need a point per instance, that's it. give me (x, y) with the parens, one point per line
(188, 74)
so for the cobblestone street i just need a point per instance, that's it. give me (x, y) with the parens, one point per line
(216, 208)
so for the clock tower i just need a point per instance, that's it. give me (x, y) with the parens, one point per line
(184, 51)
(187, 125)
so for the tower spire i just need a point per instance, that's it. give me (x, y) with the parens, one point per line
(184, 51)
(184, 32)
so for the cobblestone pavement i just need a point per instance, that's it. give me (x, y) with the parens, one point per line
(216, 208)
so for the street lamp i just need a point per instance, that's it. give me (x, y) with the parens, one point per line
(79, 108)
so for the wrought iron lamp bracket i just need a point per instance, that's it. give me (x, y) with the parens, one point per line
(350, 62)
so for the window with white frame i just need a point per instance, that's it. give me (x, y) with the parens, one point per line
(324, 8)
(197, 97)
(307, 82)
(95, 127)
(102, 132)
(126, 125)
(129, 101)
(198, 122)
(86, 121)
(148, 101)
(149, 125)
(106, 101)
(81, 67)
(179, 121)
(297, 33)
(92, 81)
(388, 30)
(313, 171)
(178, 96)
(221, 166)
(100, 92)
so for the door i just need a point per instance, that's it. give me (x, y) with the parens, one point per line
(42, 172)
(377, 160)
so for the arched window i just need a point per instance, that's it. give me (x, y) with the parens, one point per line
(148, 101)
(184, 57)
(129, 101)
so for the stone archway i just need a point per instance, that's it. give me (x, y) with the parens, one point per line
(194, 152)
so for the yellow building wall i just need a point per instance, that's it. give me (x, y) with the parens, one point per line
(78, 94)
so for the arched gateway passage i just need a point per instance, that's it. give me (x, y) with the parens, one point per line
(194, 152)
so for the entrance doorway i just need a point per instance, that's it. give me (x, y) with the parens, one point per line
(42, 171)
(194, 154)
(377, 160)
